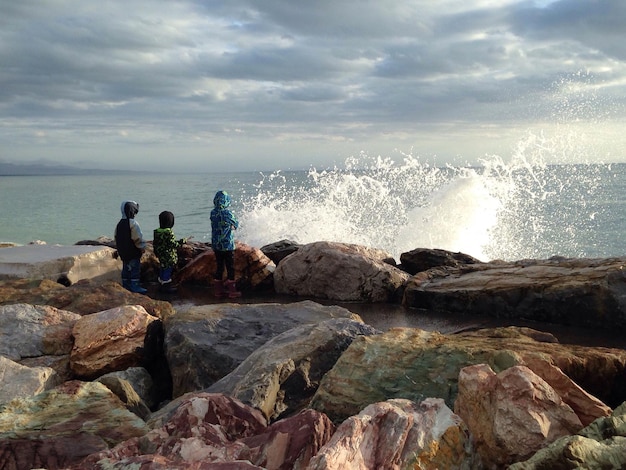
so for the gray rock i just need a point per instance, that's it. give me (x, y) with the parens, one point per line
(279, 250)
(423, 259)
(141, 381)
(55, 262)
(28, 331)
(127, 394)
(22, 381)
(205, 343)
(283, 374)
(577, 292)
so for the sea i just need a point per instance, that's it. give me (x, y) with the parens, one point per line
(522, 209)
(510, 210)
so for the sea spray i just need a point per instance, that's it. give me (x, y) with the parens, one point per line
(498, 210)
(373, 202)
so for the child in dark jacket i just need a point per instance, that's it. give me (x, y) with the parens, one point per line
(223, 222)
(166, 250)
(130, 246)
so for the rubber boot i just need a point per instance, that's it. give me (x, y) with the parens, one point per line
(231, 288)
(126, 284)
(167, 288)
(218, 288)
(136, 288)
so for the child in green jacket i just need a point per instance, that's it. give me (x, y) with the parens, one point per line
(166, 250)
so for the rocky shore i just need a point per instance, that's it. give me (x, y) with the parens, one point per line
(96, 377)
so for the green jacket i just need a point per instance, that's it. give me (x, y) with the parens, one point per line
(166, 247)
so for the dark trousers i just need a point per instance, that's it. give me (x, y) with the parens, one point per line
(131, 271)
(225, 258)
(165, 275)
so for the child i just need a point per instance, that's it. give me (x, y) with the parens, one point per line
(166, 250)
(223, 222)
(130, 246)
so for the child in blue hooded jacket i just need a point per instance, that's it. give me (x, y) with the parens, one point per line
(223, 222)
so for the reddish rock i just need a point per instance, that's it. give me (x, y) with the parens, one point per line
(397, 434)
(339, 271)
(587, 407)
(213, 428)
(601, 445)
(252, 268)
(28, 291)
(111, 340)
(511, 415)
(83, 298)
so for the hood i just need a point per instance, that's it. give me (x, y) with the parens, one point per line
(166, 219)
(129, 209)
(221, 200)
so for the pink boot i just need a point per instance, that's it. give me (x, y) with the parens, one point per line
(231, 288)
(218, 288)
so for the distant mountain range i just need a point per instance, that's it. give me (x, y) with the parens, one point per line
(41, 169)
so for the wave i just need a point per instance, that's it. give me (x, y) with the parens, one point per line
(512, 210)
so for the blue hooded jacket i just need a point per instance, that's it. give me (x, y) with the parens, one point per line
(223, 222)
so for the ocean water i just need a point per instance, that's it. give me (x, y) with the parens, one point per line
(516, 209)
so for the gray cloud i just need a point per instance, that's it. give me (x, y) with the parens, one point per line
(307, 83)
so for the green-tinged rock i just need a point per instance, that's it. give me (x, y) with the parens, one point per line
(416, 364)
(60, 427)
(578, 452)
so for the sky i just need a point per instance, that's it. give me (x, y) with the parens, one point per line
(286, 84)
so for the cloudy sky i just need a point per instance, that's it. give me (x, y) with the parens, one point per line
(276, 84)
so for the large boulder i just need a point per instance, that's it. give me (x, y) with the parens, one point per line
(206, 430)
(114, 339)
(415, 364)
(59, 263)
(281, 376)
(578, 292)
(398, 434)
(84, 297)
(512, 414)
(252, 268)
(206, 342)
(339, 271)
(60, 427)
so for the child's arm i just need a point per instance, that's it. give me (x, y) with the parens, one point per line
(136, 235)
